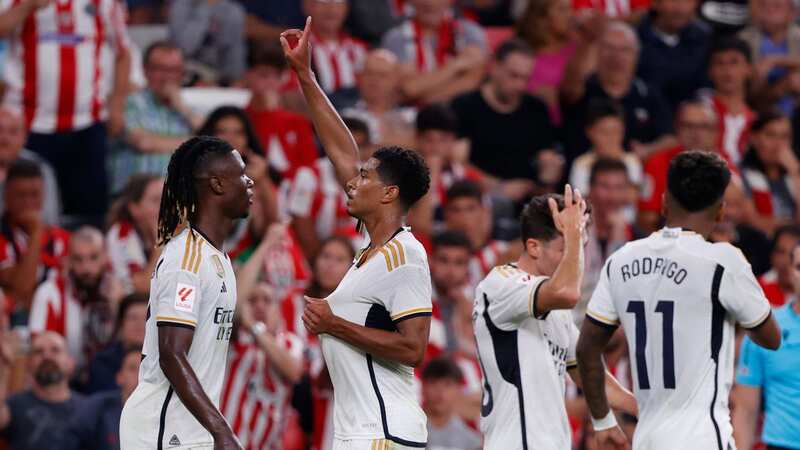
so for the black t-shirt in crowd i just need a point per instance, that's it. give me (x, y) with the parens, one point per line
(647, 116)
(504, 145)
(39, 425)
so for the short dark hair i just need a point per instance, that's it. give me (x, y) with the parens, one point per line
(536, 220)
(510, 46)
(163, 44)
(599, 109)
(730, 43)
(438, 117)
(765, 118)
(227, 111)
(23, 168)
(605, 165)
(442, 368)
(464, 188)
(697, 180)
(266, 54)
(784, 230)
(125, 304)
(451, 238)
(405, 169)
(356, 125)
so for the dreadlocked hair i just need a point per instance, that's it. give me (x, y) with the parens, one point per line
(179, 198)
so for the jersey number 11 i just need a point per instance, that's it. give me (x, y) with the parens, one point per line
(667, 309)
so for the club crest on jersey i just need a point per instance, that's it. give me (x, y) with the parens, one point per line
(218, 266)
(184, 297)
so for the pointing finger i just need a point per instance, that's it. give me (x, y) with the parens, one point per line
(567, 196)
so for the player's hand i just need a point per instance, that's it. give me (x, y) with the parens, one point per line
(573, 218)
(611, 439)
(299, 57)
(317, 316)
(227, 441)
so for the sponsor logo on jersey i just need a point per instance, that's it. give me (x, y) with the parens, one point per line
(223, 290)
(174, 440)
(184, 297)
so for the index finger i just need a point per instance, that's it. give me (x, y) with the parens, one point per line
(553, 206)
(306, 32)
(567, 195)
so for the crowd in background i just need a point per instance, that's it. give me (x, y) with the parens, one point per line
(505, 100)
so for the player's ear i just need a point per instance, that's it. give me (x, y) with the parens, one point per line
(720, 212)
(215, 184)
(390, 194)
(533, 248)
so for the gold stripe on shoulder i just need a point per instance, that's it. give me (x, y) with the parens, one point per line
(502, 271)
(186, 250)
(190, 265)
(393, 251)
(400, 250)
(388, 260)
(200, 243)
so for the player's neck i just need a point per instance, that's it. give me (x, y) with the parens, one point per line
(213, 227)
(526, 264)
(52, 394)
(689, 223)
(382, 227)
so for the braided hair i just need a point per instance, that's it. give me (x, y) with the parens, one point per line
(179, 199)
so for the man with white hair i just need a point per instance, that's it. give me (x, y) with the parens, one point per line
(80, 302)
(12, 141)
(647, 115)
(41, 417)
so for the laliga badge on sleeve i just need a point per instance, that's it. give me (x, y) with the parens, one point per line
(218, 266)
(185, 295)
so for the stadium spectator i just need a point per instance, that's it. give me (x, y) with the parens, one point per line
(42, 416)
(286, 137)
(546, 26)
(369, 19)
(674, 50)
(128, 334)
(696, 127)
(774, 41)
(81, 302)
(12, 142)
(131, 238)
(96, 422)
(266, 19)
(232, 125)
(467, 211)
(452, 293)
(508, 129)
(67, 71)
(771, 377)
(336, 55)
(157, 120)
(730, 70)
(777, 282)
(647, 115)
(609, 230)
(771, 171)
(29, 249)
(441, 387)
(443, 55)
(605, 128)
(265, 361)
(379, 104)
(630, 11)
(211, 35)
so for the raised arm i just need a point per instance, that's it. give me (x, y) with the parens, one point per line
(338, 142)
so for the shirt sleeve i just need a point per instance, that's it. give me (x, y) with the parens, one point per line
(394, 41)
(177, 296)
(742, 296)
(473, 35)
(410, 293)
(517, 302)
(601, 310)
(37, 322)
(751, 364)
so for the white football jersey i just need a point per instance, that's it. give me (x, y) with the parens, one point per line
(678, 298)
(375, 398)
(524, 360)
(193, 286)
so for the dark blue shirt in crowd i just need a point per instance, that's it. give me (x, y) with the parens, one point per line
(96, 423)
(104, 367)
(40, 425)
(647, 116)
(283, 13)
(675, 65)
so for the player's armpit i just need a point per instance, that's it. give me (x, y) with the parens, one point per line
(767, 334)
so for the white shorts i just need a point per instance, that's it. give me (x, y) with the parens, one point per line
(368, 444)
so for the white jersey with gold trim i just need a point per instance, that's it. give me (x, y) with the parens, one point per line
(524, 359)
(375, 398)
(193, 286)
(679, 298)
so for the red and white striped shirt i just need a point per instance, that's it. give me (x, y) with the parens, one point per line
(734, 130)
(337, 61)
(256, 397)
(427, 57)
(126, 252)
(484, 260)
(61, 60)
